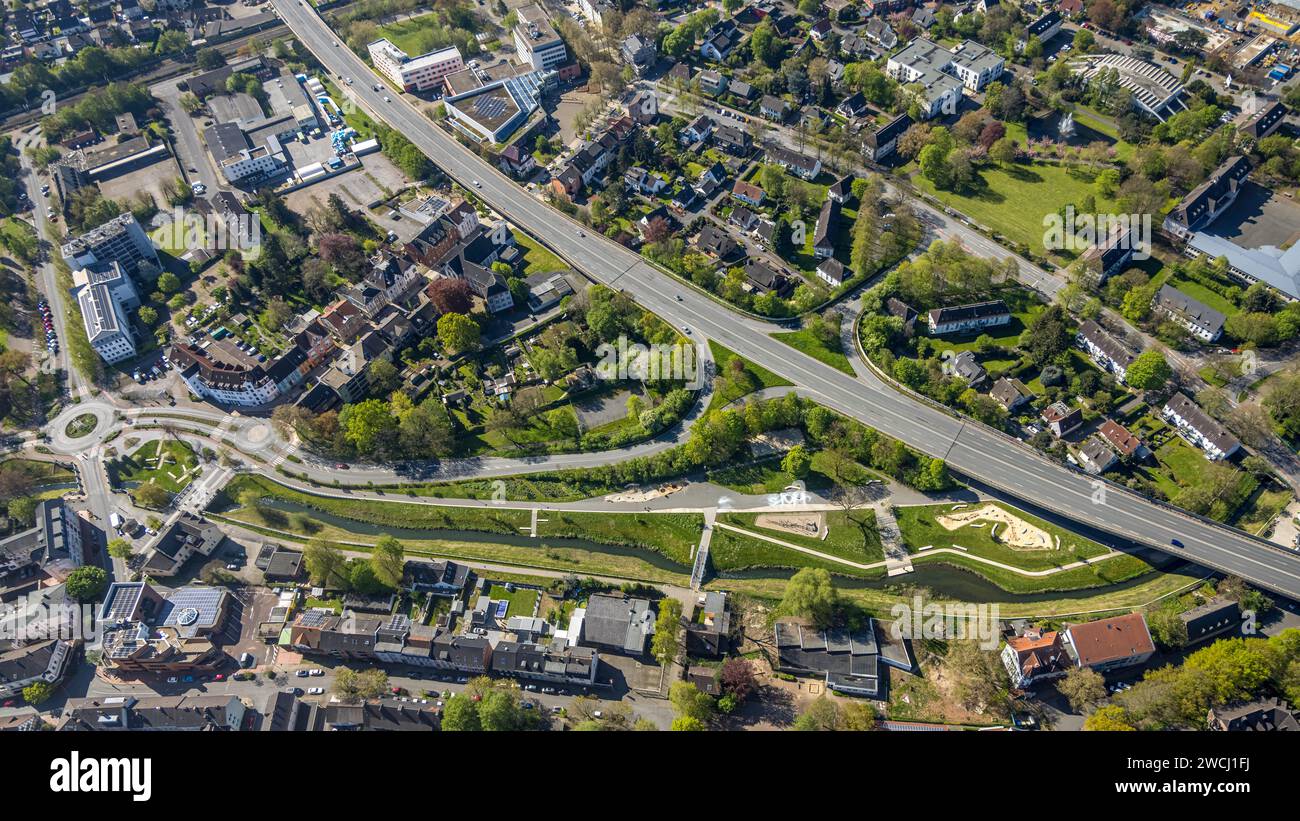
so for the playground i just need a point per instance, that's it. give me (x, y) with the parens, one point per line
(1014, 531)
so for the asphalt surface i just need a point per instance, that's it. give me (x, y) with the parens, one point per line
(991, 457)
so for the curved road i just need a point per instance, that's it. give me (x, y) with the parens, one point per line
(971, 449)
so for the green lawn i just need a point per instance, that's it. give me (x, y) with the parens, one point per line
(170, 473)
(522, 599)
(766, 475)
(410, 35)
(806, 342)
(760, 377)
(37, 472)
(537, 259)
(730, 551)
(674, 535)
(1013, 201)
(849, 537)
(1202, 294)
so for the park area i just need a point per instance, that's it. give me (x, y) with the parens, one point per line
(169, 464)
(1012, 201)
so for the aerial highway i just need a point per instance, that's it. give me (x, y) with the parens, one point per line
(969, 448)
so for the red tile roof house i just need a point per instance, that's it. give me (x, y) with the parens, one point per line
(1035, 656)
(1110, 644)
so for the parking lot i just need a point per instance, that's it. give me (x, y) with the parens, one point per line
(1260, 217)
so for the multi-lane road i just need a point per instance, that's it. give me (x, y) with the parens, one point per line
(969, 448)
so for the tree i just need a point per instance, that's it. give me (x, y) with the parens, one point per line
(368, 425)
(120, 549)
(87, 583)
(1150, 371)
(388, 560)
(687, 724)
(822, 715)
(461, 714)
(1082, 687)
(690, 702)
(737, 678)
(352, 686)
(152, 495)
(37, 692)
(1110, 718)
(168, 282)
(147, 315)
(810, 594)
(23, 510)
(1048, 335)
(797, 462)
(450, 295)
(324, 562)
(1167, 627)
(209, 58)
(457, 333)
(665, 644)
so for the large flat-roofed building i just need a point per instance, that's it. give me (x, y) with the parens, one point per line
(121, 239)
(105, 295)
(239, 158)
(1155, 91)
(943, 73)
(288, 99)
(1273, 266)
(849, 662)
(495, 110)
(617, 623)
(414, 73)
(144, 632)
(536, 40)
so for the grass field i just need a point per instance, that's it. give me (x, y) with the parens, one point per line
(762, 377)
(806, 342)
(522, 599)
(37, 472)
(849, 537)
(143, 465)
(537, 259)
(1200, 293)
(1013, 201)
(730, 551)
(766, 475)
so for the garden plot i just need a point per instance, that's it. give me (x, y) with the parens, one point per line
(1015, 533)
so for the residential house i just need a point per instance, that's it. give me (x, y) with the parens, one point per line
(697, 130)
(1011, 393)
(841, 190)
(774, 108)
(1265, 715)
(620, 623)
(832, 272)
(965, 366)
(763, 279)
(716, 243)
(798, 164)
(1095, 456)
(1061, 419)
(1035, 656)
(712, 82)
(879, 143)
(733, 139)
(1109, 644)
(971, 317)
(1107, 258)
(1200, 320)
(824, 233)
(879, 31)
(1199, 428)
(1122, 441)
(1104, 349)
(709, 632)
(720, 40)
(1214, 618)
(747, 193)
(847, 662)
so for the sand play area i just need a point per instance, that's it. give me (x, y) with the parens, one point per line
(641, 495)
(800, 524)
(1004, 526)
